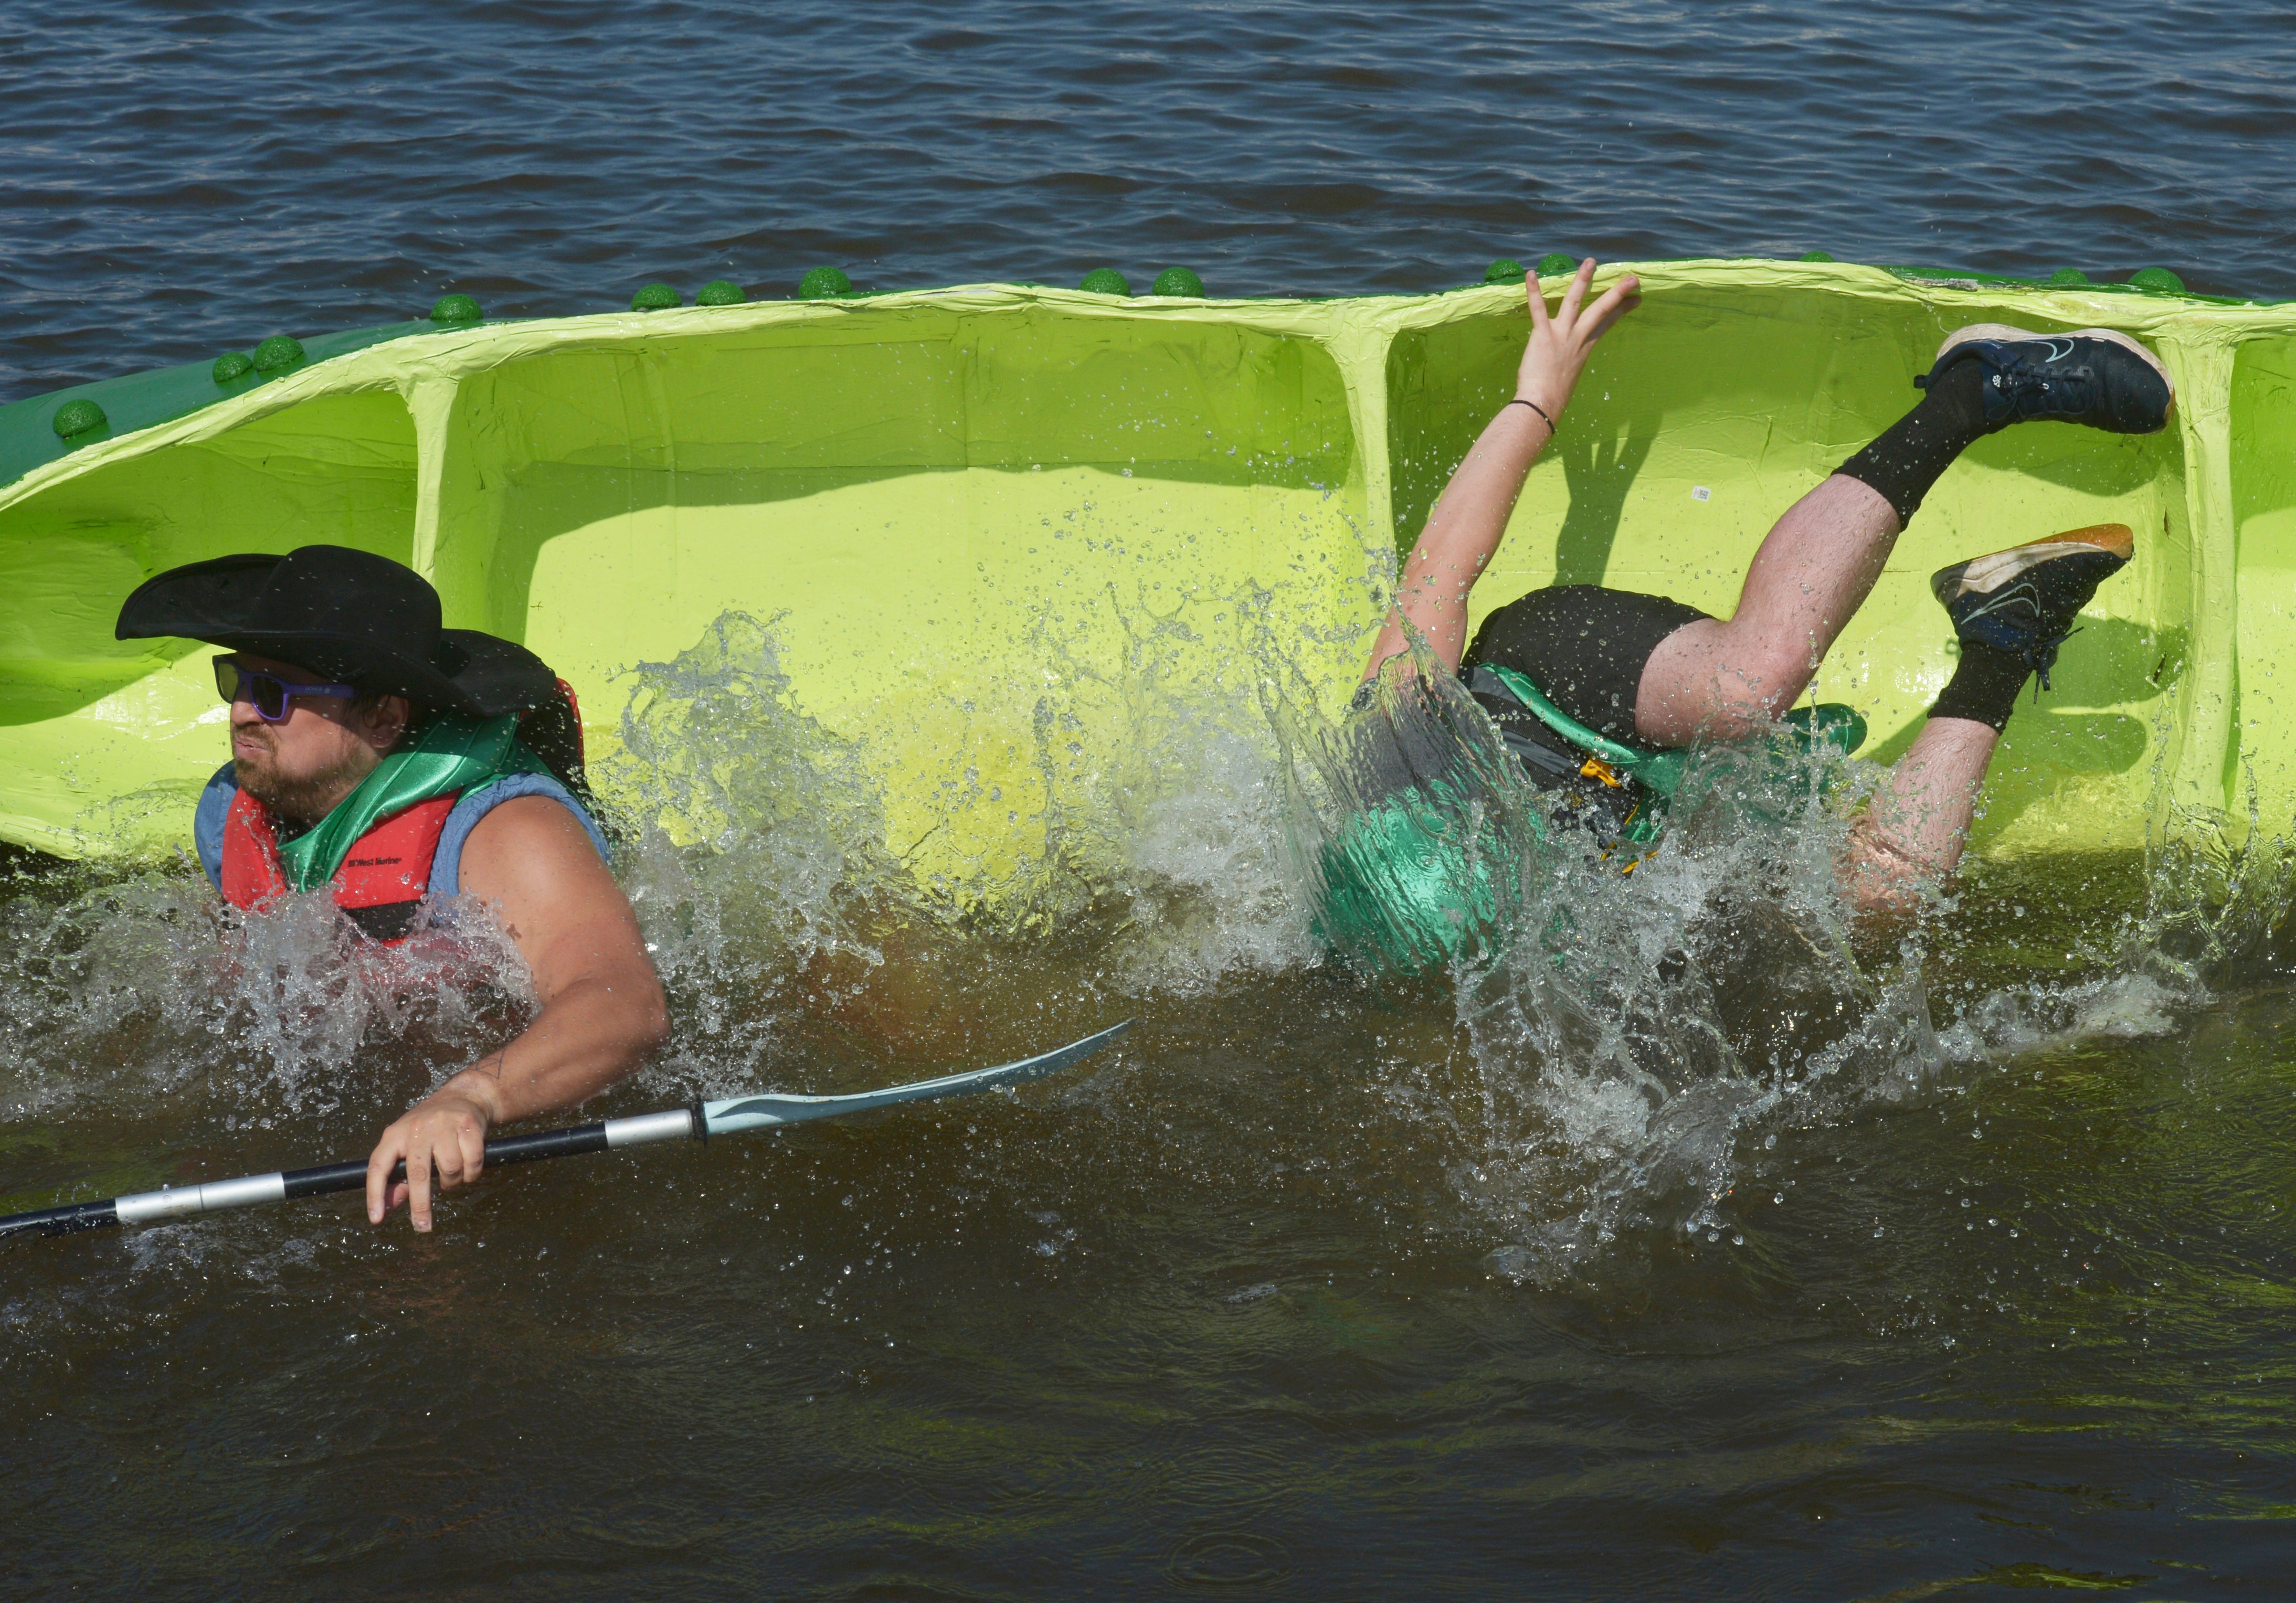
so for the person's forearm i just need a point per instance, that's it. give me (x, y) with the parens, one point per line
(1463, 534)
(1918, 822)
(1470, 518)
(591, 1035)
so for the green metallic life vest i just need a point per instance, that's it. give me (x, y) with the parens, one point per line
(454, 754)
(1658, 770)
(1418, 878)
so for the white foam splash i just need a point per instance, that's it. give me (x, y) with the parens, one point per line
(139, 984)
(1625, 1034)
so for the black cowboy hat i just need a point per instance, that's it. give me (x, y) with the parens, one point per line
(355, 617)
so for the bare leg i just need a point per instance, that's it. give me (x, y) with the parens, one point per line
(1814, 569)
(1919, 821)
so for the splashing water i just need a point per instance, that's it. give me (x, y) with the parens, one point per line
(133, 986)
(1618, 1035)
(753, 850)
(1628, 1029)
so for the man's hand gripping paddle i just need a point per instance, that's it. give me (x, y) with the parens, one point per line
(697, 1121)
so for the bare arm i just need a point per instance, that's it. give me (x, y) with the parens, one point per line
(602, 1012)
(1470, 518)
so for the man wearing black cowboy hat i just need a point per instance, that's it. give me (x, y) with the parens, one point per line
(397, 763)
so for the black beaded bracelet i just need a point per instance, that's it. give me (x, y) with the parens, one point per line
(1536, 407)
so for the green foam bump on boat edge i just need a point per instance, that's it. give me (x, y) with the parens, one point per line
(2066, 278)
(74, 419)
(1177, 281)
(231, 367)
(720, 292)
(278, 354)
(1105, 280)
(2158, 278)
(1555, 262)
(456, 308)
(655, 298)
(1817, 255)
(1506, 270)
(823, 283)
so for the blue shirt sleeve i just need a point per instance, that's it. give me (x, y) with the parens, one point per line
(207, 823)
(446, 865)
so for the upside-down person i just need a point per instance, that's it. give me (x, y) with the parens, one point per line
(390, 760)
(1649, 674)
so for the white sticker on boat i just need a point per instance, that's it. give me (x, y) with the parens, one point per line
(1698, 492)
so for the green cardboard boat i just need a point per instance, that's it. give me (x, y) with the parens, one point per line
(979, 519)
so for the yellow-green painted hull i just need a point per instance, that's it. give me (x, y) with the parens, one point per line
(984, 518)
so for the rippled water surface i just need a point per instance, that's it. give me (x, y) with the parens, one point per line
(1683, 1246)
(186, 179)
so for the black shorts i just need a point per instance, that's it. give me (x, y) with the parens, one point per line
(1585, 647)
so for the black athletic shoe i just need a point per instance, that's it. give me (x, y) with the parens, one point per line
(2092, 376)
(2023, 601)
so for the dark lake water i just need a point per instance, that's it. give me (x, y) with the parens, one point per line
(182, 179)
(1313, 1287)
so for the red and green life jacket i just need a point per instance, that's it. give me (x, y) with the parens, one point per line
(395, 841)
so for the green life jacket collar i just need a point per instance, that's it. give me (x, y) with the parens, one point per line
(452, 754)
(1659, 771)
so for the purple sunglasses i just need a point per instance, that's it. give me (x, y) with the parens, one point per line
(267, 693)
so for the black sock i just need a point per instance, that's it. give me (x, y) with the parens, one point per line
(1907, 459)
(1984, 689)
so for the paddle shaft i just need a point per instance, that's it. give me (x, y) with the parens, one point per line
(697, 1121)
(292, 1185)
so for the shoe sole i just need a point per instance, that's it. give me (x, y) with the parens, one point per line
(1980, 573)
(2002, 330)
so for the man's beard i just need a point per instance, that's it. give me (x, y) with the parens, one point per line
(303, 801)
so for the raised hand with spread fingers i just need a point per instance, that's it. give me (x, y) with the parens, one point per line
(1470, 518)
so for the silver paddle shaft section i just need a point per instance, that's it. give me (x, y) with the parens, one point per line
(736, 1113)
(181, 1202)
(646, 1128)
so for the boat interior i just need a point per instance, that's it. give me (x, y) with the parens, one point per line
(996, 537)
